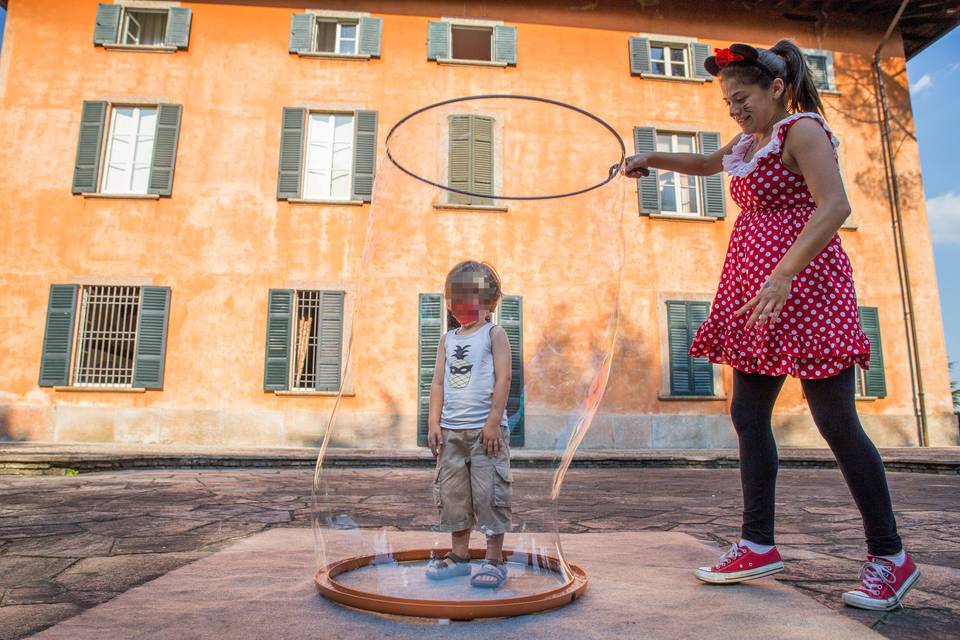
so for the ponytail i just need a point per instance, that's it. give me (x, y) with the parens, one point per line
(802, 93)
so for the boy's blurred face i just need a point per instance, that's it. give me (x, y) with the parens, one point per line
(470, 297)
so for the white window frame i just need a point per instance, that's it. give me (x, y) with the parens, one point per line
(676, 42)
(338, 36)
(663, 325)
(468, 23)
(827, 55)
(669, 62)
(305, 168)
(678, 190)
(125, 18)
(108, 148)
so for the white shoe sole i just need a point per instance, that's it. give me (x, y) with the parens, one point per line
(854, 599)
(704, 574)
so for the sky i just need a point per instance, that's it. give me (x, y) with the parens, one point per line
(934, 91)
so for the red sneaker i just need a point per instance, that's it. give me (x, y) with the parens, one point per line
(883, 584)
(739, 564)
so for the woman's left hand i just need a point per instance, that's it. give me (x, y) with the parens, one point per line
(768, 302)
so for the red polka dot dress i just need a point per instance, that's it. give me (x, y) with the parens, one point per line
(818, 334)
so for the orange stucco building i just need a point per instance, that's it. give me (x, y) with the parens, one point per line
(183, 179)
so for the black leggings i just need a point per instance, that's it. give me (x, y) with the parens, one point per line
(831, 401)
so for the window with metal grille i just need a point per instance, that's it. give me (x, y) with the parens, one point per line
(318, 340)
(144, 28)
(107, 336)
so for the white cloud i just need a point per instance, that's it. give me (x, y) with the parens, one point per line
(943, 213)
(925, 82)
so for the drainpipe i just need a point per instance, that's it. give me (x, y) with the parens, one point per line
(900, 246)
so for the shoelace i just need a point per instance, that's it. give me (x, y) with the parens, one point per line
(875, 575)
(735, 552)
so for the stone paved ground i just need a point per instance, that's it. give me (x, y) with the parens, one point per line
(70, 543)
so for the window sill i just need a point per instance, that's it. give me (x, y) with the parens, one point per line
(476, 63)
(469, 207)
(850, 227)
(681, 217)
(829, 92)
(655, 76)
(323, 201)
(334, 56)
(103, 389)
(323, 394)
(669, 398)
(867, 398)
(122, 196)
(141, 48)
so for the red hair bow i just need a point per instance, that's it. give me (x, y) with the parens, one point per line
(725, 57)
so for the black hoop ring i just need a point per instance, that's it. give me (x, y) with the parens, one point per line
(614, 170)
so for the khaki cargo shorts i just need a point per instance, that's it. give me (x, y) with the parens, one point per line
(471, 489)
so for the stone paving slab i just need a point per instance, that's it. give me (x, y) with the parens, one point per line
(263, 586)
(31, 458)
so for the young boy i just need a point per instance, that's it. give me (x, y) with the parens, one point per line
(468, 427)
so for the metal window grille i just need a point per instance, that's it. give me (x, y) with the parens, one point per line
(307, 339)
(106, 346)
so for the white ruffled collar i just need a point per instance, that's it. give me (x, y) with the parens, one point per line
(735, 165)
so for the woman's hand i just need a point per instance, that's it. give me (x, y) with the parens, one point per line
(768, 302)
(637, 166)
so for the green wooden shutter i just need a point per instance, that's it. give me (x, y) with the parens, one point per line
(291, 153)
(329, 362)
(714, 204)
(58, 335)
(688, 376)
(458, 158)
(86, 171)
(648, 188)
(700, 54)
(371, 33)
(876, 381)
(818, 65)
(511, 319)
(301, 28)
(481, 158)
(438, 40)
(178, 27)
(165, 149)
(151, 337)
(364, 154)
(107, 27)
(505, 44)
(430, 332)
(639, 55)
(276, 367)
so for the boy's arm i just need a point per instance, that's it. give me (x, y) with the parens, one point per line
(434, 436)
(501, 389)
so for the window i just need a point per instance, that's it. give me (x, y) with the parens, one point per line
(304, 350)
(654, 56)
(129, 150)
(332, 34)
(119, 25)
(329, 157)
(120, 334)
(336, 37)
(470, 162)
(472, 41)
(678, 192)
(821, 65)
(872, 382)
(668, 61)
(687, 376)
(144, 28)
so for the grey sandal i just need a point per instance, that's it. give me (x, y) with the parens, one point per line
(490, 575)
(449, 566)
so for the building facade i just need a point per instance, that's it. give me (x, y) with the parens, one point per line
(187, 186)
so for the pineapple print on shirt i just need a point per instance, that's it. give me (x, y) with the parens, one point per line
(459, 367)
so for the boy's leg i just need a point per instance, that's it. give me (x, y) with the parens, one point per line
(491, 481)
(461, 544)
(451, 488)
(495, 547)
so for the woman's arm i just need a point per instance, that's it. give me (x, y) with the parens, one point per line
(691, 164)
(434, 435)
(502, 375)
(811, 152)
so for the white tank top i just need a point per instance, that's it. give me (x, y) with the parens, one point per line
(468, 380)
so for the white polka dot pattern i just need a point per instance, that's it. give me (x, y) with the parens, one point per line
(818, 334)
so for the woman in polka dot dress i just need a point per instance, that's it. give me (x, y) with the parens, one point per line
(786, 305)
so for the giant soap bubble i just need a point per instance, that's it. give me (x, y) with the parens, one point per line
(559, 260)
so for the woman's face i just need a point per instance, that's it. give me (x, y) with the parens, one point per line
(752, 106)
